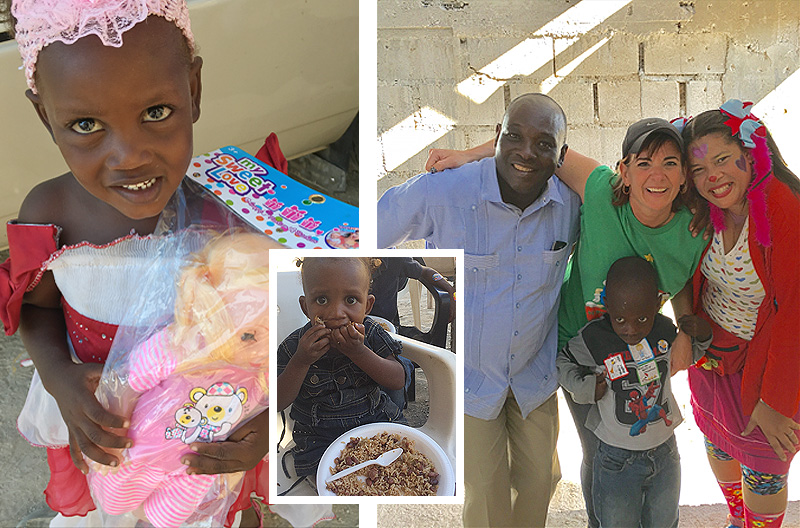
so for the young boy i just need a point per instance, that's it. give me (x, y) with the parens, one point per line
(331, 370)
(620, 363)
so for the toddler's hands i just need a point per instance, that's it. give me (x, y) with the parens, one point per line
(601, 386)
(240, 452)
(349, 338)
(779, 430)
(695, 326)
(87, 421)
(313, 345)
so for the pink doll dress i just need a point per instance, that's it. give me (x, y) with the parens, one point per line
(97, 284)
(202, 405)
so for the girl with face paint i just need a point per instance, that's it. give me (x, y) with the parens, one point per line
(746, 389)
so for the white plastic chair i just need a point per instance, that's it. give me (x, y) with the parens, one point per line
(438, 364)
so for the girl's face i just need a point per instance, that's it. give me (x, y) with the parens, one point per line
(720, 169)
(654, 179)
(337, 291)
(122, 117)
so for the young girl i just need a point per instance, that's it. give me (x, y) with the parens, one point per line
(117, 85)
(330, 369)
(746, 390)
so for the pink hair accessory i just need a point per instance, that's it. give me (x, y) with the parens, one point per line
(752, 134)
(42, 22)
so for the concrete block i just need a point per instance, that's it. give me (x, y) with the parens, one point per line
(750, 75)
(703, 95)
(576, 97)
(696, 53)
(785, 57)
(585, 140)
(619, 101)
(611, 143)
(619, 55)
(660, 99)
(480, 19)
(395, 103)
(519, 57)
(424, 54)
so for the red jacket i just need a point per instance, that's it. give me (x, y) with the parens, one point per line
(772, 367)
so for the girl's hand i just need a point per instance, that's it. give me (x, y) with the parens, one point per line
(441, 159)
(701, 224)
(681, 353)
(313, 345)
(240, 452)
(87, 421)
(695, 326)
(779, 430)
(349, 339)
(601, 386)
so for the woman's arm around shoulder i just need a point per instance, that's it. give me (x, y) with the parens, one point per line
(441, 159)
(575, 171)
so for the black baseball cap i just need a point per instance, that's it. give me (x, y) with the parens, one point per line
(639, 131)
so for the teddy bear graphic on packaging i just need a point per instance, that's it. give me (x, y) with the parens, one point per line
(214, 412)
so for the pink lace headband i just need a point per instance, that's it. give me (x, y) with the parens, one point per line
(42, 22)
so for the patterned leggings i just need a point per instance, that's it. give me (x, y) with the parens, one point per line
(756, 481)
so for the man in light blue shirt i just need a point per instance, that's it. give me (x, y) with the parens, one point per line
(516, 223)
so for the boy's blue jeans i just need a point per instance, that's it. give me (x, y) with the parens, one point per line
(637, 488)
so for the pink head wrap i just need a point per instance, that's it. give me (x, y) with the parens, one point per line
(42, 22)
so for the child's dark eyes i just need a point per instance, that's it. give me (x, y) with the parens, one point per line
(619, 320)
(157, 113)
(351, 300)
(643, 319)
(321, 300)
(85, 126)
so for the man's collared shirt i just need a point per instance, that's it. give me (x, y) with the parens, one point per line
(513, 270)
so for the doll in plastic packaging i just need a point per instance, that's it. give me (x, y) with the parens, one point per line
(194, 380)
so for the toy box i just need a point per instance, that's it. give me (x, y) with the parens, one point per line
(289, 212)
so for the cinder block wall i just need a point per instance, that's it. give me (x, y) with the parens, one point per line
(662, 58)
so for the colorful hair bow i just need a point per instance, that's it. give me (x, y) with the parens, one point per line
(680, 123)
(753, 135)
(741, 121)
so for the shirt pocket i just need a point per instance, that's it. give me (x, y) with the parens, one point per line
(552, 268)
(478, 270)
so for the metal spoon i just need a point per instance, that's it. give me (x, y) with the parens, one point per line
(383, 460)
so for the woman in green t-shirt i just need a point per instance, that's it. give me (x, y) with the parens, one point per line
(636, 211)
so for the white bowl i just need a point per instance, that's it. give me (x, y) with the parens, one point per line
(422, 443)
(385, 323)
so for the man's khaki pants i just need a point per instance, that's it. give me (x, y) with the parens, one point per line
(510, 466)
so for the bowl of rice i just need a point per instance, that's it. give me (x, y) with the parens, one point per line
(423, 468)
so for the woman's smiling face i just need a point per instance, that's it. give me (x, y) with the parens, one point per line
(720, 169)
(654, 180)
